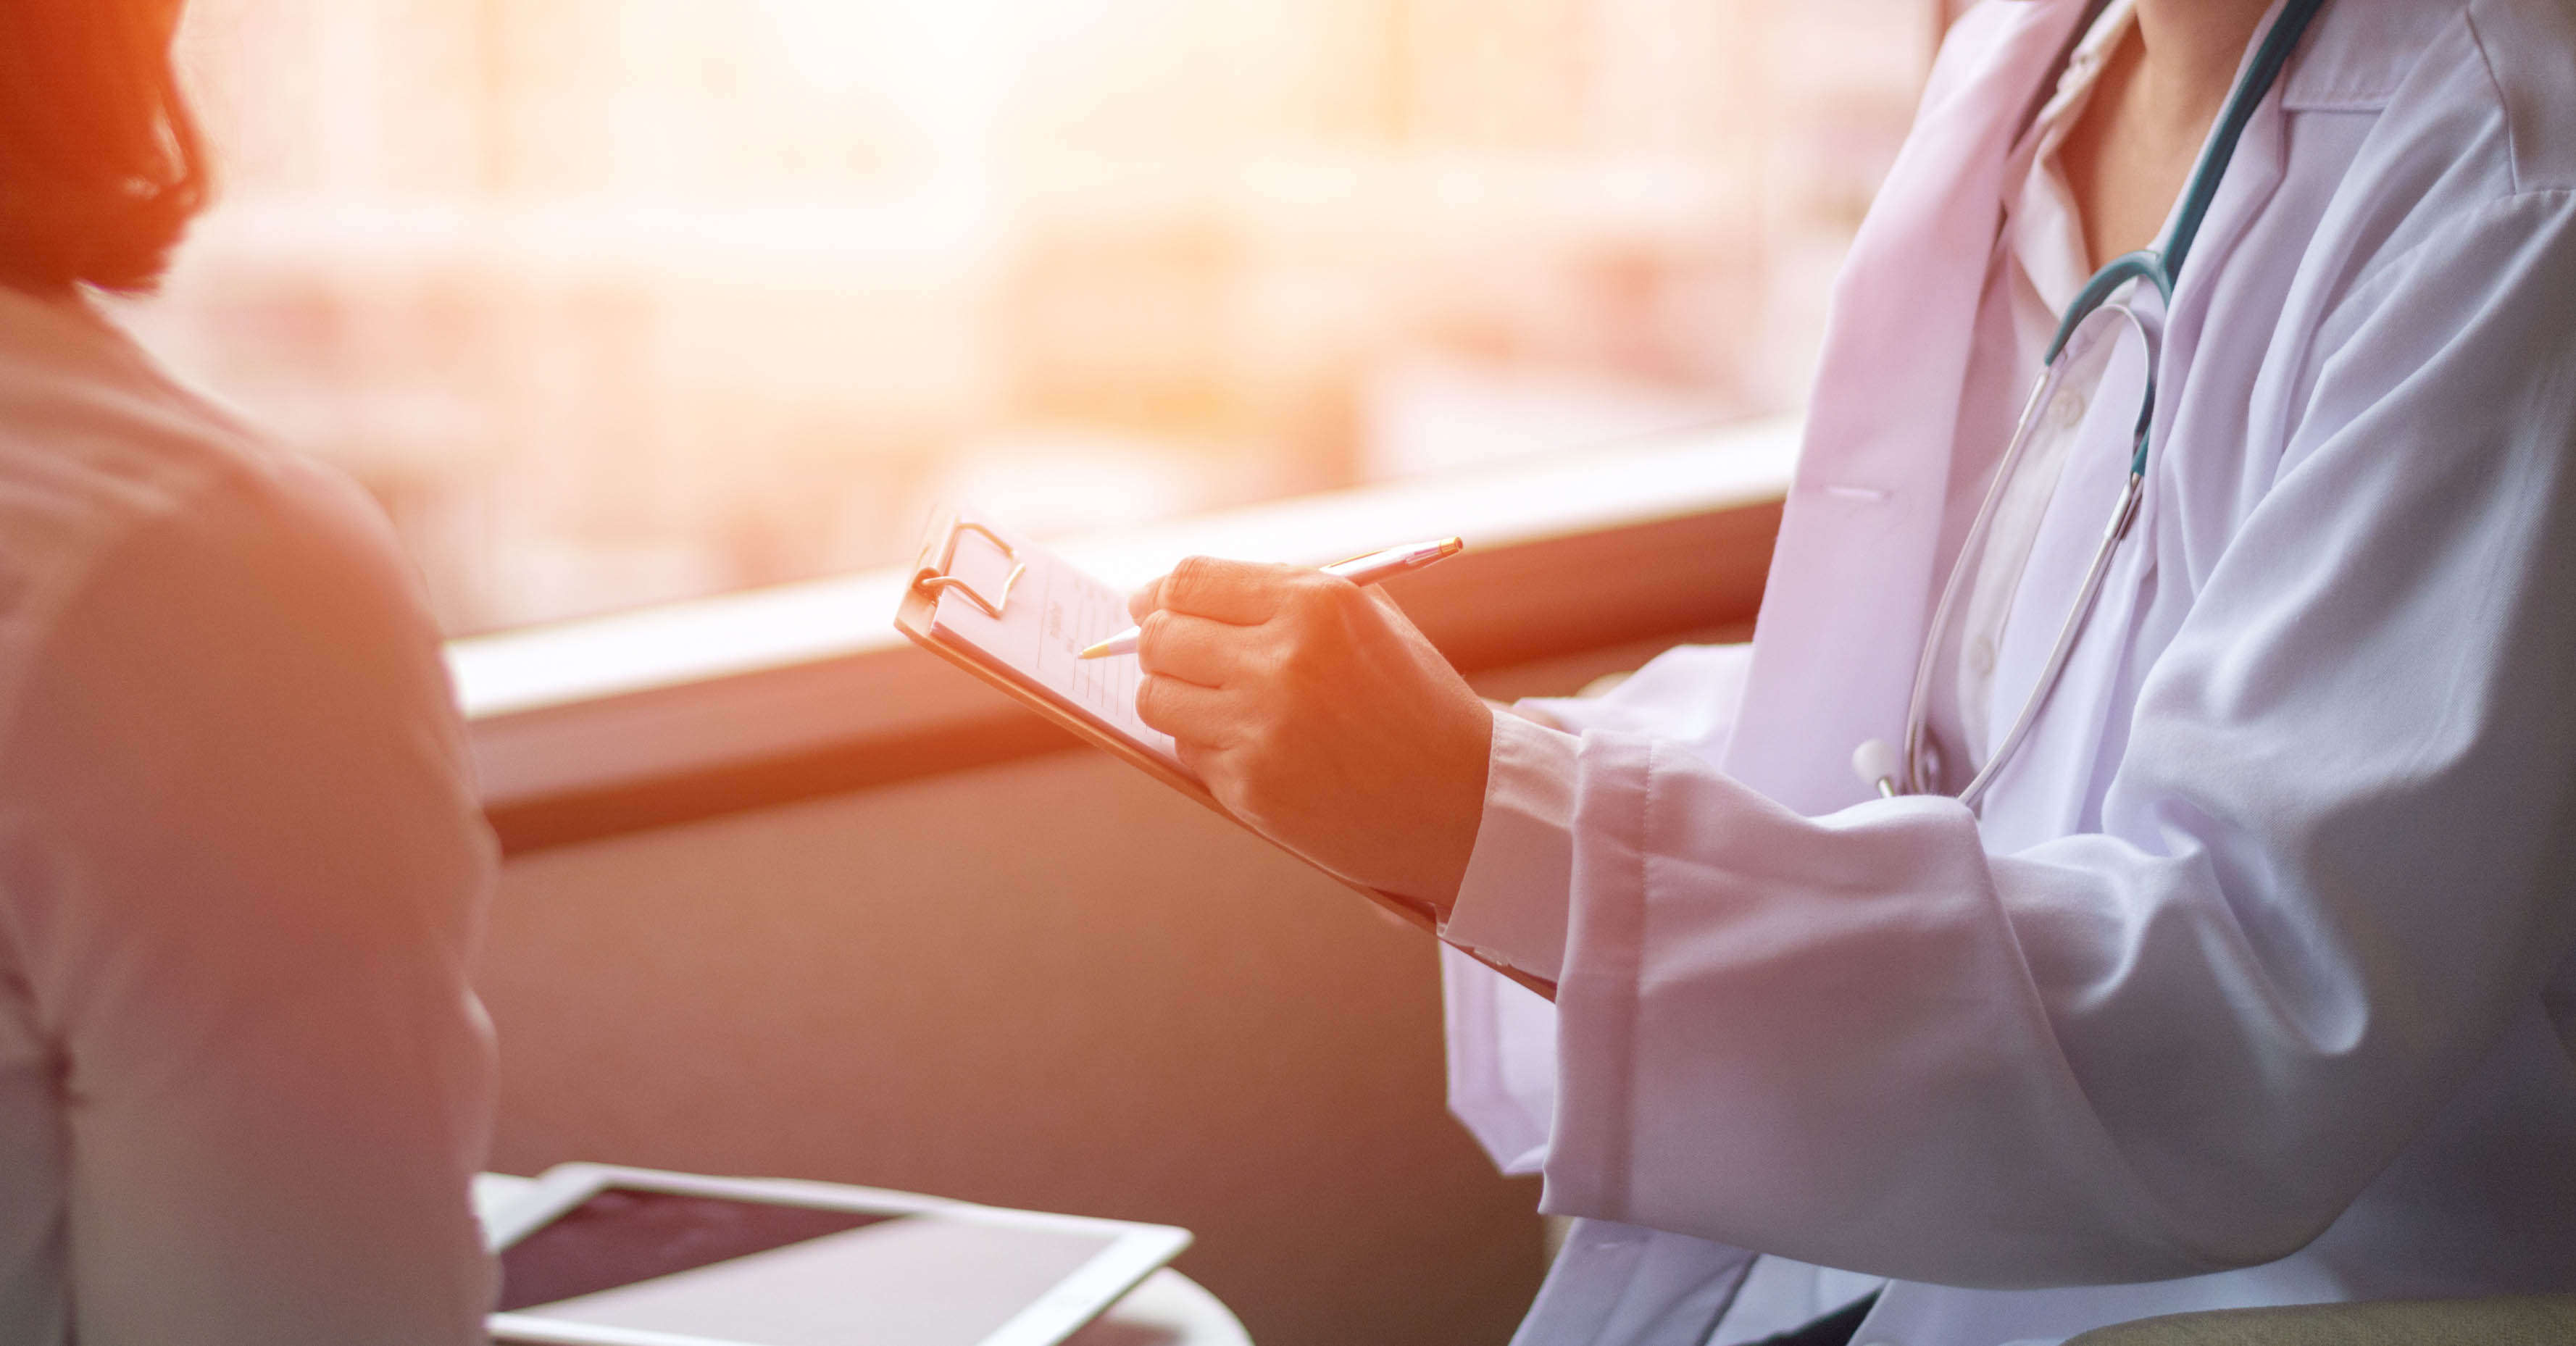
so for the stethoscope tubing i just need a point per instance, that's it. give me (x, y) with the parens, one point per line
(1918, 706)
(1918, 770)
(2159, 268)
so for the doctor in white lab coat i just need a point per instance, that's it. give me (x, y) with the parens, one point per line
(2253, 978)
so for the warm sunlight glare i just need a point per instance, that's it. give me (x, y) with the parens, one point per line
(613, 301)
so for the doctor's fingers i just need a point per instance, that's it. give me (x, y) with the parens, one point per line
(1198, 649)
(1195, 715)
(1241, 593)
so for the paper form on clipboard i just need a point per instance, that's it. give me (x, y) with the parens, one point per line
(1051, 612)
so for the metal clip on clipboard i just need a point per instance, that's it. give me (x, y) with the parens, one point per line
(933, 577)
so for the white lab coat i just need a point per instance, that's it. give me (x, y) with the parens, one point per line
(2256, 980)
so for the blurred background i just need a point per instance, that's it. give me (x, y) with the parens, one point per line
(616, 301)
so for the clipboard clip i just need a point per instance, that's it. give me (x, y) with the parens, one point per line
(934, 579)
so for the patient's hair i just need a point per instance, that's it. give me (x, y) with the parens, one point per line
(100, 165)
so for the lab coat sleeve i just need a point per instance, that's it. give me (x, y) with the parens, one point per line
(1511, 908)
(1502, 1062)
(1687, 694)
(1512, 903)
(2335, 859)
(248, 877)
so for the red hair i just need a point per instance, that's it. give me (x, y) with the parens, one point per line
(100, 164)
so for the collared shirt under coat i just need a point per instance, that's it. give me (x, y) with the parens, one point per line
(2256, 980)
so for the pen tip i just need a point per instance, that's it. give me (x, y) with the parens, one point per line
(1095, 651)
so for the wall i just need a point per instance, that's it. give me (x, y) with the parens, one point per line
(787, 896)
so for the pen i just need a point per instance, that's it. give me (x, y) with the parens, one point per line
(1369, 569)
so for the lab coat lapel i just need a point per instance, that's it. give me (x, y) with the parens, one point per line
(1851, 579)
(2253, 175)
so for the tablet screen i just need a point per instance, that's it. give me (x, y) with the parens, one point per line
(771, 1274)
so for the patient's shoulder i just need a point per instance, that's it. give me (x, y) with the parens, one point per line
(121, 488)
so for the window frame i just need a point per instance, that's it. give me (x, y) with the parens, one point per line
(1577, 563)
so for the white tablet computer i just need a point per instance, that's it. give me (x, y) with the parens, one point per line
(596, 1255)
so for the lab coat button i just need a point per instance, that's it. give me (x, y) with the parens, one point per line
(1981, 655)
(2069, 411)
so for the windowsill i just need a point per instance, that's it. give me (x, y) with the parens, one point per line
(597, 727)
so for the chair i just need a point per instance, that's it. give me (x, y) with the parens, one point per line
(2537, 1321)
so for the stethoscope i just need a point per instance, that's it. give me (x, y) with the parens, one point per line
(1915, 772)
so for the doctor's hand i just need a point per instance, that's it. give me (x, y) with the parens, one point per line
(1317, 713)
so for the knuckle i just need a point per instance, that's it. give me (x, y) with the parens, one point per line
(1152, 692)
(1297, 665)
(1152, 637)
(1246, 792)
(1353, 604)
(1310, 651)
(1277, 664)
(1193, 579)
(1266, 740)
(1310, 598)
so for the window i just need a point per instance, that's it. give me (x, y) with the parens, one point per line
(614, 301)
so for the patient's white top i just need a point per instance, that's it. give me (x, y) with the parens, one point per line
(244, 1082)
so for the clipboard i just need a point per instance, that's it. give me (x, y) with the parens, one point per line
(980, 572)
